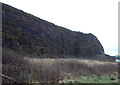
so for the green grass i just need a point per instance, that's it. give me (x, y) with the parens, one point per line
(91, 79)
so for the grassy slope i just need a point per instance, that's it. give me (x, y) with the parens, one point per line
(78, 71)
(26, 69)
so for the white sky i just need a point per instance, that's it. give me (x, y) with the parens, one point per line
(99, 17)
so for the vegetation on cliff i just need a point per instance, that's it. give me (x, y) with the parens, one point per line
(31, 35)
(37, 51)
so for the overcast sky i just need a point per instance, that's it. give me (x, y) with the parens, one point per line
(99, 17)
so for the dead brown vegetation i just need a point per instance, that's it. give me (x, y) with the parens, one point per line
(52, 70)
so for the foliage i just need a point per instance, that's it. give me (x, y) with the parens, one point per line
(26, 33)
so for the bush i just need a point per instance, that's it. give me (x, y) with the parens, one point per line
(14, 66)
(9, 56)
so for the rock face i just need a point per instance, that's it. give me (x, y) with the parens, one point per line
(28, 34)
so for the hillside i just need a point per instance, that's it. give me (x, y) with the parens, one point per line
(27, 34)
(37, 51)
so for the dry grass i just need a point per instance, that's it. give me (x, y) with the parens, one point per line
(58, 69)
(32, 70)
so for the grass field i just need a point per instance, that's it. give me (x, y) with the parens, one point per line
(74, 70)
(82, 70)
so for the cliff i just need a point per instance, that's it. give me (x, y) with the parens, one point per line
(28, 34)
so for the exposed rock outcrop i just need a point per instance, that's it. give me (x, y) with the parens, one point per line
(26, 33)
